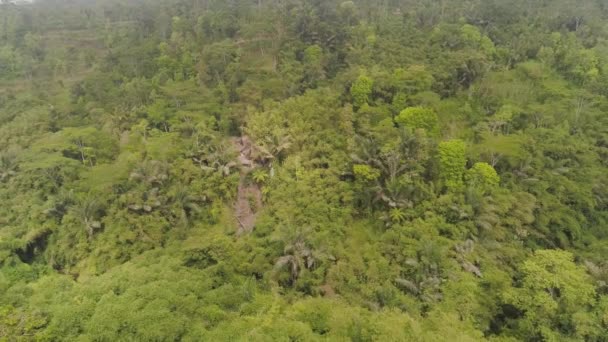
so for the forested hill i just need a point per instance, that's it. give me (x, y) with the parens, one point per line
(304, 170)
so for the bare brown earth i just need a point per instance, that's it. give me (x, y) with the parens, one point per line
(249, 197)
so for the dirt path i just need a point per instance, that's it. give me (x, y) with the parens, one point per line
(249, 197)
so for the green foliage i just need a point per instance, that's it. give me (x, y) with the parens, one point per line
(419, 118)
(482, 176)
(260, 175)
(286, 170)
(413, 79)
(397, 215)
(87, 145)
(554, 291)
(361, 90)
(452, 161)
(314, 66)
(366, 172)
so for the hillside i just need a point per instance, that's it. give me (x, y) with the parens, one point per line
(304, 170)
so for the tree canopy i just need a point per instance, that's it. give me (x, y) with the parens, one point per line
(303, 170)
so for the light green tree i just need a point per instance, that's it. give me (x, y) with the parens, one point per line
(313, 66)
(419, 118)
(482, 176)
(361, 90)
(366, 172)
(555, 297)
(452, 161)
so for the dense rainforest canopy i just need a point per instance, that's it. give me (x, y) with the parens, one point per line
(304, 170)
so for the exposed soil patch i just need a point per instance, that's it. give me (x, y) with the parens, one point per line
(249, 197)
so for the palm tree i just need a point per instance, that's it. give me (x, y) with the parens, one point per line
(186, 204)
(462, 250)
(422, 275)
(368, 151)
(117, 122)
(60, 204)
(271, 148)
(599, 271)
(88, 211)
(151, 172)
(401, 161)
(297, 256)
(215, 156)
(187, 125)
